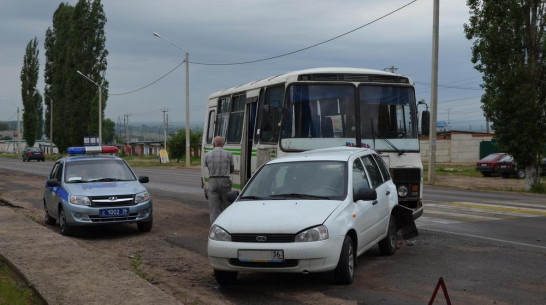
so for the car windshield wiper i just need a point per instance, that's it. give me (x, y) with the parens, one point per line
(301, 196)
(105, 179)
(252, 197)
(77, 181)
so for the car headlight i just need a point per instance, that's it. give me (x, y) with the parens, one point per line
(219, 234)
(80, 200)
(141, 197)
(402, 190)
(313, 234)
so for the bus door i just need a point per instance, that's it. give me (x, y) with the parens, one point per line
(247, 142)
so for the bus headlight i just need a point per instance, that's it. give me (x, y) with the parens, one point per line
(402, 190)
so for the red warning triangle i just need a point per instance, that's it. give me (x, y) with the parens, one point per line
(444, 289)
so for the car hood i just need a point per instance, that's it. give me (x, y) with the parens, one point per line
(105, 188)
(275, 216)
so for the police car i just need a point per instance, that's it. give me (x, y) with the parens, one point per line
(94, 187)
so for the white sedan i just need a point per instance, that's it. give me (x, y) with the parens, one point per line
(315, 211)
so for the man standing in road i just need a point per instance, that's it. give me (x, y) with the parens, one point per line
(220, 165)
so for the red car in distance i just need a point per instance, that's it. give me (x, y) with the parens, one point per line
(486, 166)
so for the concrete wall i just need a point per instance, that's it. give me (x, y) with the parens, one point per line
(455, 147)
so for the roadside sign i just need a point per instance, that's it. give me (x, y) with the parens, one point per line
(91, 141)
(163, 156)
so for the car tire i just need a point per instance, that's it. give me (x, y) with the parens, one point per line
(345, 269)
(520, 173)
(145, 226)
(65, 229)
(48, 219)
(387, 246)
(225, 277)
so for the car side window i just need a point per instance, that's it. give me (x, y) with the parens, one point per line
(373, 171)
(360, 180)
(59, 173)
(383, 167)
(53, 173)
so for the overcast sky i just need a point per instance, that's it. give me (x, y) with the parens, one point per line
(227, 31)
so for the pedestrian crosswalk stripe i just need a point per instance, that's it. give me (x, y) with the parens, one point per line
(457, 212)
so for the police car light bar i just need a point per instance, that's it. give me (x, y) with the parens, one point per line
(90, 150)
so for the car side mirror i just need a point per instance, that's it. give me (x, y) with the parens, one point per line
(231, 196)
(365, 194)
(143, 179)
(52, 183)
(425, 123)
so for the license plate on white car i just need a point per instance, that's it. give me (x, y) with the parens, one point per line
(120, 212)
(261, 256)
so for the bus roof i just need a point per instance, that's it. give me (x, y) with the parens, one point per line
(293, 76)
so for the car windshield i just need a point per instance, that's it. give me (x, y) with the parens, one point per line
(95, 170)
(299, 180)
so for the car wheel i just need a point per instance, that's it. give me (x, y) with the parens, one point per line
(521, 173)
(66, 230)
(145, 226)
(344, 272)
(48, 219)
(387, 246)
(225, 277)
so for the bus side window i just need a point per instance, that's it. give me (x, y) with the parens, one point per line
(210, 128)
(222, 119)
(271, 115)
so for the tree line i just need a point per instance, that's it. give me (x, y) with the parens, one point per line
(74, 42)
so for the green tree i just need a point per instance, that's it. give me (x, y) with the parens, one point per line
(108, 131)
(508, 49)
(75, 42)
(176, 145)
(31, 98)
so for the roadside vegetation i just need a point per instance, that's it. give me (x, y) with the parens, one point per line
(13, 290)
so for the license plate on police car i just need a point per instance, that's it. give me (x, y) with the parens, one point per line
(119, 212)
(261, 256)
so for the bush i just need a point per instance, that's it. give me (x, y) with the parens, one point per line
(538, 188)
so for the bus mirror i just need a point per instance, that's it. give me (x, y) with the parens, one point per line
(425, 123)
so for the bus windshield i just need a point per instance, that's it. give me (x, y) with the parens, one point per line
(324, 115)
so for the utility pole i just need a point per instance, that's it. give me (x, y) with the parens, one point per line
(164, 110)
(18, 132)
(434, 94)
(126, 118)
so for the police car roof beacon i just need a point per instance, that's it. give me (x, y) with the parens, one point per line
(89, 150)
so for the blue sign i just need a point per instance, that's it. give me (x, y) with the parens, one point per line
(91, 141)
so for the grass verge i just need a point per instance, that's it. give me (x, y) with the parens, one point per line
(13, 290)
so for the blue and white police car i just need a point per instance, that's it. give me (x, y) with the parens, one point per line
(94, 187)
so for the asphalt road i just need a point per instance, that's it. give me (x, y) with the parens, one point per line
(489, 247)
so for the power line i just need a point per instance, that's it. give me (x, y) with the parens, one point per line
(273, 57)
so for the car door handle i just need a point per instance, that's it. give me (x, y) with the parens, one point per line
(375, 202)
(388, 193)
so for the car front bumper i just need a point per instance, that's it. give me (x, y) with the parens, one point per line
(77, 215)
(299, 257)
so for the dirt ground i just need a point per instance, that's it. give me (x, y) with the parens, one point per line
(173, 254)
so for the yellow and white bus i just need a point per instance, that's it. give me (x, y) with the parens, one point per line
(320, 108)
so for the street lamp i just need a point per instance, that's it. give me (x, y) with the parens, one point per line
(187, 60)
(50, 121)
(100, 104)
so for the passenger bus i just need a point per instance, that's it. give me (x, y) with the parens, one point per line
(320, 108)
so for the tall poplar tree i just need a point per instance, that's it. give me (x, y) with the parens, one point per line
(76, 41)
(508, 49)
(31, 98)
